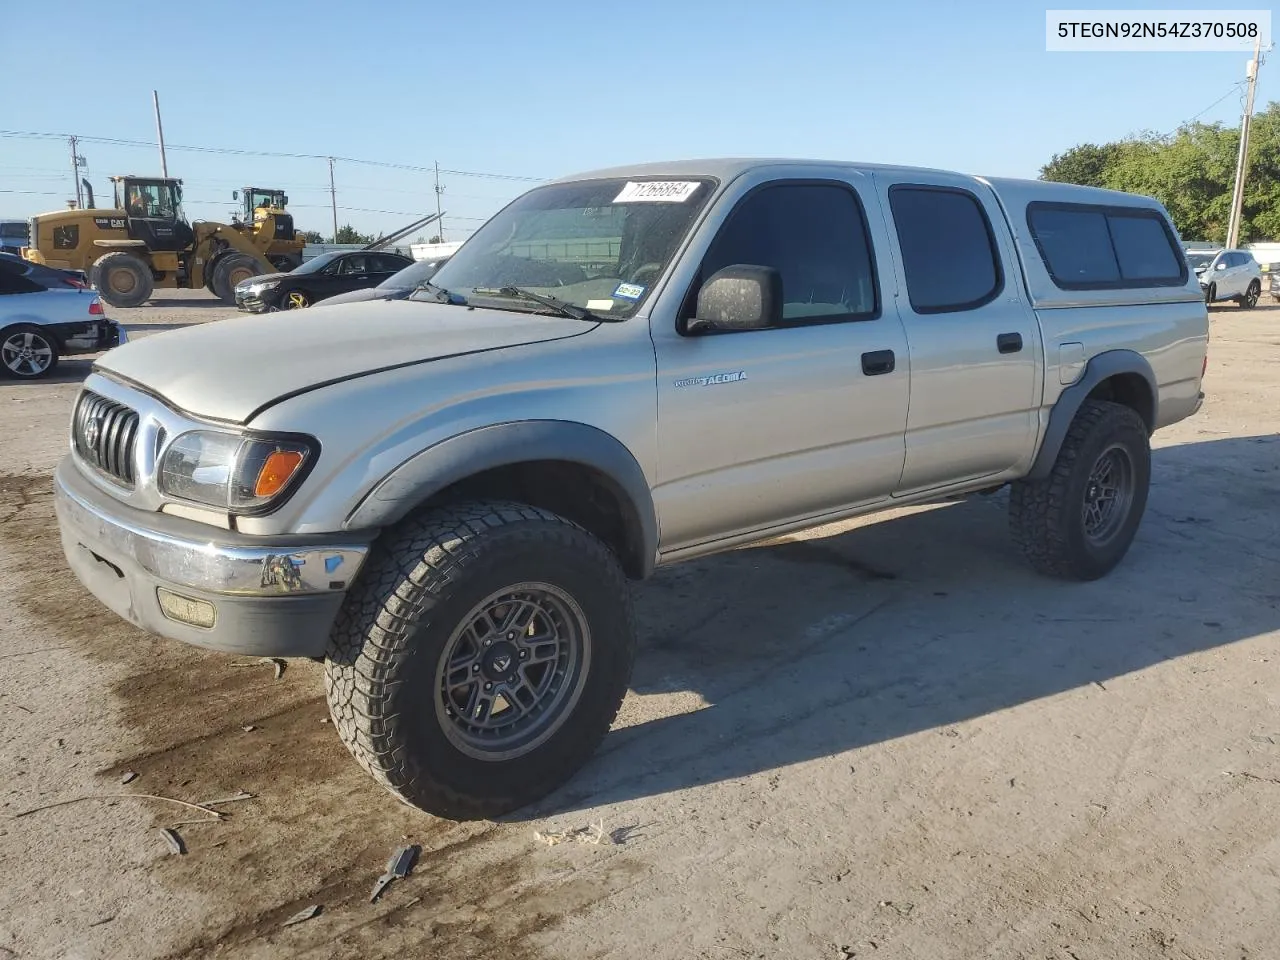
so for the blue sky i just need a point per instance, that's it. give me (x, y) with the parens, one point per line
(544, 89)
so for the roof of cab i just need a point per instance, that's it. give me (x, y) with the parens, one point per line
(727, 168)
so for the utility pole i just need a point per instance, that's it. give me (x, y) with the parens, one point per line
(439, 213)
(75, 172)
(333, 200)
(1242, 161)
(164, 166)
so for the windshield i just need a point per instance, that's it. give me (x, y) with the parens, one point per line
(420, 271)
(1198, 260)
(595, 244)
(318, 263)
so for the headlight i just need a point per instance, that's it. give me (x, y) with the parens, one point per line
(262, 287)
(239, 474)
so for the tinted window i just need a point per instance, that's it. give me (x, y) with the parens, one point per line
(1086, 246)
(1076, 245)
(352, 265)
(1142, 248)
(815, 236)
(948, 253)
(13, 281)
(387, 263)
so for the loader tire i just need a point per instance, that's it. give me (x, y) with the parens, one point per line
(233, 269)
(122, 279)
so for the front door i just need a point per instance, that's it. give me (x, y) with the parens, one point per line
(760, 427)
(353, 274)
(974, 339)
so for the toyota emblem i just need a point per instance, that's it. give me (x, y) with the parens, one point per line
(93, 431)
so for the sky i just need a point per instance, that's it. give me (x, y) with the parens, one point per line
(540, 90)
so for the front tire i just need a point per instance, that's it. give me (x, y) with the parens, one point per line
(122, 279)
(295, 300)
(1210, 293)
(230, 270)
(1079, 522)
(481, 657)
(27, 352)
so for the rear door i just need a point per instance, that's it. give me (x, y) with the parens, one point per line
(973, 338)
(384, 265)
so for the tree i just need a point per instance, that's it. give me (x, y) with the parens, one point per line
(1191, 172)
(312, 236)
(1085, 164)
(349, 234)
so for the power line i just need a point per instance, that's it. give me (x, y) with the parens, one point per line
(237, 151)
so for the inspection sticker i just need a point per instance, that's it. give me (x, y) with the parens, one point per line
(599, 304)
(629, 291)
(657, 191)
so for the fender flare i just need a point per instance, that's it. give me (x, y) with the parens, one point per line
(425, 474)
(1104, 365)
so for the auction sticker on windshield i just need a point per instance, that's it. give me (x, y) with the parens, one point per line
(657, 191)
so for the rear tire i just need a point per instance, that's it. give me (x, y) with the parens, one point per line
(233, 269)
(122, 279)
(1078, 522)
(27, 352)
(1250, 298)
(501, 594)
(1210, 294)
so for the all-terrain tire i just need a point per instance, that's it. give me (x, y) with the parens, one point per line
(407, 611)
(1048, 517)
(122, 279)
(233, 269)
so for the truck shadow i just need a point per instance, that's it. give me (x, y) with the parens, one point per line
(802, 649)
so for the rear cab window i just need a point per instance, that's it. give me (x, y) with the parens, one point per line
(949, 252)
(1100, 247)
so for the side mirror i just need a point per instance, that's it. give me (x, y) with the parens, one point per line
(739, 297)
(235, 194)
(1221, 266)
(284, 201)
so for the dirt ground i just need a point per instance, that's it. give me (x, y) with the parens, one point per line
(885, 738)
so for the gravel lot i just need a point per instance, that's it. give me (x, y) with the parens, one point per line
(886, 738)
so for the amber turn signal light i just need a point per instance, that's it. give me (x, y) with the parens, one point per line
(276, 471)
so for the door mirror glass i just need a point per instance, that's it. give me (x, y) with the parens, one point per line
(1222, 265)
(739, 297)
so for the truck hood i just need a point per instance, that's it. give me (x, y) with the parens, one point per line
(229, 369)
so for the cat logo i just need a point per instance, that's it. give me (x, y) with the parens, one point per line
(109, 223)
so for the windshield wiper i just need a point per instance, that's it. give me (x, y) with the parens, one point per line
(440, 293)
(562, 307)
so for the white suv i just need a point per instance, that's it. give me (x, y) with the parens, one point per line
(1228, 275)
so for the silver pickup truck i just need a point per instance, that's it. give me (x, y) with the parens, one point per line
(444, 496)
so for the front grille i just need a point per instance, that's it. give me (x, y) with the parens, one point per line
(105, 434)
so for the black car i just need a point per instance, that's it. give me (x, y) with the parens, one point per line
(398, 286)
(321, 277)
(51, 278)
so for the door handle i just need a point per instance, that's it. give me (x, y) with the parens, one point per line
(1009, 342)
(877, 362)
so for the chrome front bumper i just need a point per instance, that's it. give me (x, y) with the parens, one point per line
(268, 599)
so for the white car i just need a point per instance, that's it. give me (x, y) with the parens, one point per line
(39, 326)
(1227, 275)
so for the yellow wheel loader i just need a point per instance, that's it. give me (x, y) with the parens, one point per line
(264, 215)
(145, 242)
